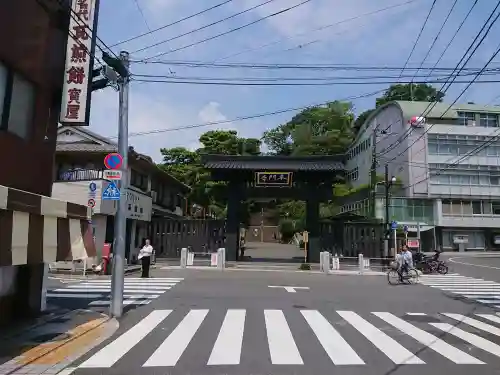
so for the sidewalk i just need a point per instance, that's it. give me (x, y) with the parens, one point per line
(52, 343)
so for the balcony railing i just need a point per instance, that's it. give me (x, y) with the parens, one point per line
(80, 175)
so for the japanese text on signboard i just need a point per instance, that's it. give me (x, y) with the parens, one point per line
(77, 72)
(273, 178)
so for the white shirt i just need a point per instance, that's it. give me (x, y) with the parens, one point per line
(146, 251)
(408, 258)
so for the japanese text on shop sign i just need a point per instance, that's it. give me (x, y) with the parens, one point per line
(77, 73)
(273, 178)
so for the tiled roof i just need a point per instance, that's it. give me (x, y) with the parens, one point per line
(276, 163)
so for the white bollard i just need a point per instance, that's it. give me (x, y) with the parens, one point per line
(184, 256)
(190, 259)
(326, 262)
(221, 257)
(321, 260)
(361, 263)
(336, 263)
(367, 264)
(214, 259)
(43, 297)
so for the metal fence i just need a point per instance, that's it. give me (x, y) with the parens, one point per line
(200, 236)
(350, 238)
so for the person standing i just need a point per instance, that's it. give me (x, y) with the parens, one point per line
(145, 257)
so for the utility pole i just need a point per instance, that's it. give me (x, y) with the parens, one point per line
(121, 66)
(373, 174)
(387, 229)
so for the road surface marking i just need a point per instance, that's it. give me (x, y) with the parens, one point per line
(386, 344)
(111, 353)
(170, 351)
(131, 287)
(282, 347)
(490, 317)
(70, 295)
(339, 351)
(131, 300)
(104, 291)
(290, 289)
(452, 260)
(474, 323)
(416, 314)
(471, 338)
(227, 348)
(441, 347)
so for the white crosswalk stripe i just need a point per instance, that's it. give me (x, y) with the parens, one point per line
(177, 334)
(482, 291)
(137, 291)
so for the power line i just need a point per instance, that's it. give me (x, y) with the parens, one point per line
(302, 84)
(437, 35)
(230, 31)
(324, 27)
(431, 105)
(453, 37)
(249, 117)
(201, 28)
(440, 77)
(142, 14)
(172, 23)
(256, 65)
(419, 35)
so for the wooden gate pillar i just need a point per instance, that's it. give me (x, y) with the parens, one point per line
(312, 226)
(233, 221)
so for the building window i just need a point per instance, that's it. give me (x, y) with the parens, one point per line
(17, 101)
(488, 120)
(466, 118)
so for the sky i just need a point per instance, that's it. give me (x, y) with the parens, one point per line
(382, 39)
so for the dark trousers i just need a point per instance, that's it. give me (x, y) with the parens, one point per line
(146, 262)
(402, 271)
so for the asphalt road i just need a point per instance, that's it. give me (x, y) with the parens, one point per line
(486, 267)
(233, 322)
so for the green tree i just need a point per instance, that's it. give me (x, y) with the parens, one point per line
(321, 130)
(418, 92)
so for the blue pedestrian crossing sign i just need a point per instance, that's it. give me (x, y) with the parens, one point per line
(111, 192)
(394, 225)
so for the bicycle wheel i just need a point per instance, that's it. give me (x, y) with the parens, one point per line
(412, 276)
(442, 269)
(392, 277)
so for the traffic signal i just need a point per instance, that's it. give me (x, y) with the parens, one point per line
(116, 64)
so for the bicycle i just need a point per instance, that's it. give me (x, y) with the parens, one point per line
(410, 277)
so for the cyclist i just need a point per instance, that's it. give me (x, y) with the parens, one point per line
(406, 261)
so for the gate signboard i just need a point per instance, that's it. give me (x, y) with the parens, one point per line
(273, 178)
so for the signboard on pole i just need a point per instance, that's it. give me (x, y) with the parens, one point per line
(80, 48)
(113, 161)
(112, 174)
(111, 193)
(394, 225)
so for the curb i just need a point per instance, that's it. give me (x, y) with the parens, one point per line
(110, 326)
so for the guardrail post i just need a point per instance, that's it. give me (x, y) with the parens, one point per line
(361, 263)
(184, 256)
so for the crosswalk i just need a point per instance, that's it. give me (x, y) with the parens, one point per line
(482, 291)
(204, 337)
(137, 291)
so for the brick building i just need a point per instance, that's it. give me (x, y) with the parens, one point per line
(34, 229)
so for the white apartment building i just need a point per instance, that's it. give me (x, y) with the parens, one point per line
(449, 166)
